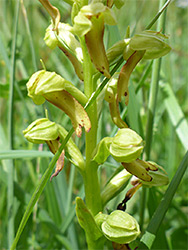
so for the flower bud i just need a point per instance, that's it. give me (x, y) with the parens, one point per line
(44, 85)
(152, 42)
(120, 227)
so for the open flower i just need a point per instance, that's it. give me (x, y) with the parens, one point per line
(44, 85)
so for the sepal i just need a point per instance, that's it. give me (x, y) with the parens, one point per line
(126, 146)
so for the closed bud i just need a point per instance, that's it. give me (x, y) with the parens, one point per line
(152, 42)
(119, 227)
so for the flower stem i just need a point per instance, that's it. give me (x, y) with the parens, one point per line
(90, 175)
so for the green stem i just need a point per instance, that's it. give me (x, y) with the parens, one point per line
(10, 192)
(90, 175)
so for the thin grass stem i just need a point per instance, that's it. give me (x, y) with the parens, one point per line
(33, 56)
(152, 102)
(10, 192)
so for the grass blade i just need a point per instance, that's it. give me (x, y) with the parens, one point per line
(149, 236)
(10, 192)
(175, 113)
(23, 154)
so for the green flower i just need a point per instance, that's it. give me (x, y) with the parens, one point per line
(152, 42)
(125, 146)
(67, 42)
(44, 85)
(119, 226)
(90, 23)
(44, 131)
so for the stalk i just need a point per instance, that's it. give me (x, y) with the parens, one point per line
(10, 192)
(153, 99)
(90, 175)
